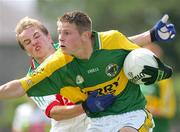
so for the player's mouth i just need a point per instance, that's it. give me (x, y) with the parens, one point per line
(37, 48)
(62, 46)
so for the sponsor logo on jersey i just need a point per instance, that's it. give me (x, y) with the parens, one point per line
(79, 79)
(107, 89)
(93, 70)
(111, 70)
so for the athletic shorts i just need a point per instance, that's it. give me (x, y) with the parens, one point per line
(76, 124)
(141, 120)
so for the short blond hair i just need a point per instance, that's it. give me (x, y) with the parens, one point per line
(25, 23)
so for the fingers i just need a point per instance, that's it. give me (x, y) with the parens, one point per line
(148, 81)
(172, 36)
(94, 93)
(148, 69)
(165, 18)
(158, 61)
(172, 29)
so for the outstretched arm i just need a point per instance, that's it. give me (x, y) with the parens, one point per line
(141, 39)
(59, 107)
(66, 112)
(11, 89)
(93, 103)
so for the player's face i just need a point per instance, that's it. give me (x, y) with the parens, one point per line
(36, 43)
(69, 38)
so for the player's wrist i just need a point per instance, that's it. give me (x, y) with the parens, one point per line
(153, 35)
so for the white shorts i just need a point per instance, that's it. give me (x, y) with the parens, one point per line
(76, 124)
(141, 120)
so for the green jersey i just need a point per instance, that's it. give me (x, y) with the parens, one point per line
(75, 78)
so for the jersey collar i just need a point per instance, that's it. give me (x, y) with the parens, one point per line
(97, 45)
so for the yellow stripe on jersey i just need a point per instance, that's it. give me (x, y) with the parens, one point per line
(51, 64)
(123, 80)
(74, 94)
(114, 86)
(115, 40)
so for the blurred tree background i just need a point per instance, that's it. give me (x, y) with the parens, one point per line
(129, 17)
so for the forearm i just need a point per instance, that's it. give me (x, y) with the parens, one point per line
(141, 39)
(66, 112)
(11, 89)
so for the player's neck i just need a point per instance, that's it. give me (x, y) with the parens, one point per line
(86, 51)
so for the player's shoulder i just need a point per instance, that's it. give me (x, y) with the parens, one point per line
(112, 39)
(110, 33)
(58, 59)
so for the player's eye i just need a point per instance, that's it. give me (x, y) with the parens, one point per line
(36, 35)
(26, 42)
(66, 33)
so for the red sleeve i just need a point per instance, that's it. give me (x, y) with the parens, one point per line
(50, 106)
(63, 100)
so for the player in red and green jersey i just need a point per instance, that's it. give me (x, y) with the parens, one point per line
(77, 83)
(38, 44)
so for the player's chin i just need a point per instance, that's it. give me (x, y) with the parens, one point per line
(64, 50)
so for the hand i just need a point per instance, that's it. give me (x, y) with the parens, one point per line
(96, 103)
(156, 74)
(55, 100)
(162, 31)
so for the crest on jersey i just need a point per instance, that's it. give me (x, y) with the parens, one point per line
(111, 70)
(79, 79)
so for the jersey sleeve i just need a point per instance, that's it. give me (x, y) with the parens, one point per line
(41, 77)
(114, 39)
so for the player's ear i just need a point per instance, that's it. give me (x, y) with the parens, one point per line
(86, 35)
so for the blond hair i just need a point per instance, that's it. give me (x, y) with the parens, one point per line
(25, 23)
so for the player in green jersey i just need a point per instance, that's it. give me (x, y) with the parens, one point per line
(77, 74)
(38, 44)
(39, 49)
